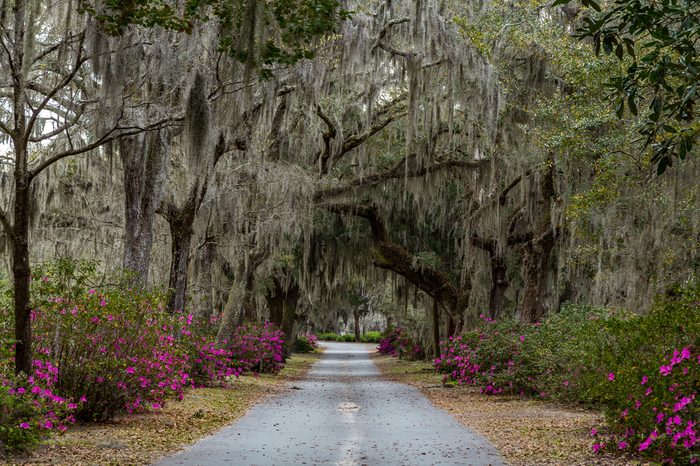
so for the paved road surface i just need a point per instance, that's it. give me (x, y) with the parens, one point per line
(343, 414)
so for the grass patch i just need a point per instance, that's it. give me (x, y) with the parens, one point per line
(144, 438)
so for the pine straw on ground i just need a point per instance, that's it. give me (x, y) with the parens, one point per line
(145, 438)
(526, 432)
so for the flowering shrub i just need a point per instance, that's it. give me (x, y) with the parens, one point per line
(397, 342)
(306, 343)
(484, 356)
(642, 370)
(209, 362)
(661, 414)
(116, 350)
(29, 409)
(257, 348)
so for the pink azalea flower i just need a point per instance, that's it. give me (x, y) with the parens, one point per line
(611, 376)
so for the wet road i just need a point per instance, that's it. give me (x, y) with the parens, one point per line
(343, 414)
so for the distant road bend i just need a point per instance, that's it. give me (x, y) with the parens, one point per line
(343, 414)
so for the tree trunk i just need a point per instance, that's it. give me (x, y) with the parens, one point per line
(537, 252)
(241, 299)
(289, 318)
(21, 270)
(436, 329)
(231, 316)
(248, 303)
(143, 160)
(206, 258)
(181, 232)
(451, 326)
(535, 269)
(356, 318)
(499, 285)
(275, 303)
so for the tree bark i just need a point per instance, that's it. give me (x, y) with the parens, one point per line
(275, 302)
(499, 286)
(240, 305)
(21, 271)
(537, 252)
(181, 232)
(290, 318)
(436, 329)
(499, 281)
(143, 160)
(356, 319)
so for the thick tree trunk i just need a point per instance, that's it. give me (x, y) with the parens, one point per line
(535, 270)
(436, 329)
(499, 285)
(248, 303)
(275, 303)
(290, 318)
(143, 160)
(205, 258)
(240, 305)
(181, 233)
(451, 326)
(537, 252)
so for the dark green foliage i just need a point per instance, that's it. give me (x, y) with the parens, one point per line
(658, 41)
(292, 24)
(303, 345)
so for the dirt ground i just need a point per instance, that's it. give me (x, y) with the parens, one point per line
(144, 438)
(526, 432)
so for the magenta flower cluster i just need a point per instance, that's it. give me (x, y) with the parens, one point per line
(102, 353)
(257, 348)
(397, 342)
(661, 416)
(485, 357)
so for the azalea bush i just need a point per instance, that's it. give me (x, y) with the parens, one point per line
(397, 342)
(641, 370)
(30, 408)
(485, 356)
(306, 343)
(661, 412)
(257, 348)
(210, 363)
(114, 349)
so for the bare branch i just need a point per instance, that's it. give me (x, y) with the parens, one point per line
(328, 136)
(5, 221)
(380, 43)
(60, 129)
(398, 171)
(80, 60)
(111, 135)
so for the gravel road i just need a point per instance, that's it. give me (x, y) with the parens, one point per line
(343, 413)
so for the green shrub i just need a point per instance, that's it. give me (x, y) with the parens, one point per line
(642, 370)
(303, 345)
(568, 355)
(371, 337)
(329, 336)
(347, 337)
(19, 417)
